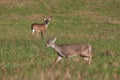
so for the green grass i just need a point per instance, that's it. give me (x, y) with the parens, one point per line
(92, 21)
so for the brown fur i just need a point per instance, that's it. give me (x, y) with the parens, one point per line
(40, 27)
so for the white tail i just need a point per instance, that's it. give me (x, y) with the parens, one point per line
(70, 50)
(35, 27)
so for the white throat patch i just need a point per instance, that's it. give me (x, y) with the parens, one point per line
(46, 25)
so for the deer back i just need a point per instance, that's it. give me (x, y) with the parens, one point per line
(38, 27)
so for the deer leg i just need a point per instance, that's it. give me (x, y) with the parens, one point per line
(42, 34)
(88, 59)
(58, 59)
(37, 33)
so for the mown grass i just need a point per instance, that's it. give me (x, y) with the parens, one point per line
(92, 21)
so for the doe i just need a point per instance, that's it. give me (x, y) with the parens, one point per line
(70, 50)
(35, 27)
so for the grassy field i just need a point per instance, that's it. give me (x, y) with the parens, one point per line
(96, 22)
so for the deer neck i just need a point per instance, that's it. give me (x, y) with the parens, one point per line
(58, 49)
(46, 25)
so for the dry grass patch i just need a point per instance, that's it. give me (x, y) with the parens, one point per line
(98, 17)
(95, 16)
(35, 17)
(15, 3)
(14, 16)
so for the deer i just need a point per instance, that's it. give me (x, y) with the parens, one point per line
(36, 27)
(70, 50)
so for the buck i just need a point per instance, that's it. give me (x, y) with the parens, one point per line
(70, 50)
(40, 27)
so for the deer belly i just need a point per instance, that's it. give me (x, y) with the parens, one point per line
(69, 55)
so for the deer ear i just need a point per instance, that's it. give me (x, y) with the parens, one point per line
(44, 18)
(49, 18)
(54, 39)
